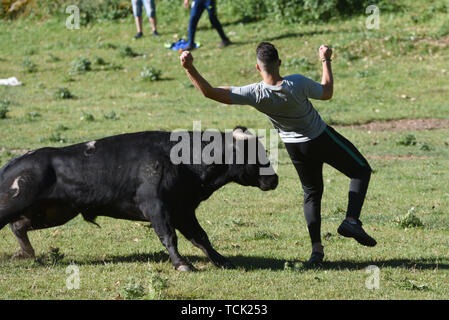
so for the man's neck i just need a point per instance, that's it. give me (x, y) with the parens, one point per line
(274, 80)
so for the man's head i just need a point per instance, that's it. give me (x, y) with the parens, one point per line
(267, 58)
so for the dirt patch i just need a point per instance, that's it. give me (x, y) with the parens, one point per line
(441, 42)
(404, 125)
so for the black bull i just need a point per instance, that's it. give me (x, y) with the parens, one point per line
(128, 176)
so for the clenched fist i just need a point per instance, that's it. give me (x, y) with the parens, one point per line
(325, 52)
(186, 59)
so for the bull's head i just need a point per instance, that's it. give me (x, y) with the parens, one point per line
(251, 166)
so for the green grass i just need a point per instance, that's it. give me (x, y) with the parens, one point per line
(258, 231)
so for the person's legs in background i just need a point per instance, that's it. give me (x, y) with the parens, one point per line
(137, 12)
(150, 8)
(211, 9)
(195, 14)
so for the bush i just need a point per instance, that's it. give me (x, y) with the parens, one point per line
(150, 74)
(410, 220)
(408, 140)
(29, 66)
(87, 116)
(81, 65)
(63, 93)
(288, 11)
(127, 52)
(4, 108)
(300, 11)
(133, 290)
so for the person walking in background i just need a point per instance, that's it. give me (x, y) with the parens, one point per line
(150, 9)
(197, 10)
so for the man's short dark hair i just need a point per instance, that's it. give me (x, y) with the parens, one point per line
(267, 54)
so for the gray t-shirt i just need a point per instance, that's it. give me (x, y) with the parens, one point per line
(287, 106)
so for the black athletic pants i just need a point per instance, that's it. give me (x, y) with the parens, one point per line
(308, 158)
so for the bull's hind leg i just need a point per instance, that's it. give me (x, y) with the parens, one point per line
(20, 229)
(46, 214)
(192, 230)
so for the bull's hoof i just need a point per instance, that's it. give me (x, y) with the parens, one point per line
(23, 255)
(185, 268)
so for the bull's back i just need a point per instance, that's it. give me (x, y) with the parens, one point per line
(100, 171)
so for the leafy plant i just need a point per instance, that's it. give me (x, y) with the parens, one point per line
(110, 116)
(87, 116)
(63, 93)
(133, 290)
(52, 257)
(409, 220)
(99, 61)
(29, 66)
(407, 140)
(150, 74)
(4, 108)
(56, 137)
(157, 284)
(53, 58)
(127, 52)
(32, 116)
(81, 65)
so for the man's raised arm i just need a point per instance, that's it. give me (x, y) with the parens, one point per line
(220, 94)
(327, 81)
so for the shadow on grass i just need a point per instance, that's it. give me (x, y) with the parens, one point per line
(254, 263)
(251, 263)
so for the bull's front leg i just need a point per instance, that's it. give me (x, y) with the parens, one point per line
(157, 214)
(192, 230)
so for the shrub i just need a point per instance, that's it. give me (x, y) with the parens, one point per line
(127, 52)
(32, 116)
(4, 108)
(87, 116)
(408, 140)
(81, 65)
(99, 61)
(63, 93)
(150, 74)
(133, 290)
(409, 220)
(157, 285)
(56, 137)
(110, 116)
(29, 66)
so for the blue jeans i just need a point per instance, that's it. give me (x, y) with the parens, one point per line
(197, 10)
(150, 8)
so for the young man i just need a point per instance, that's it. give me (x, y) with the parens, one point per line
(198, 7)
(150, 9)
(310, 142)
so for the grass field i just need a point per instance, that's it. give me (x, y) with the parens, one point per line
(400, 71)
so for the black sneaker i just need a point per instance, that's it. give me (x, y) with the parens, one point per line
(155, 33)
(189, 48)
(138, 35)
(316, 259)
(355, 230)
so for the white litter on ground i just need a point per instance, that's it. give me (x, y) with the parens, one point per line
(10, 82)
